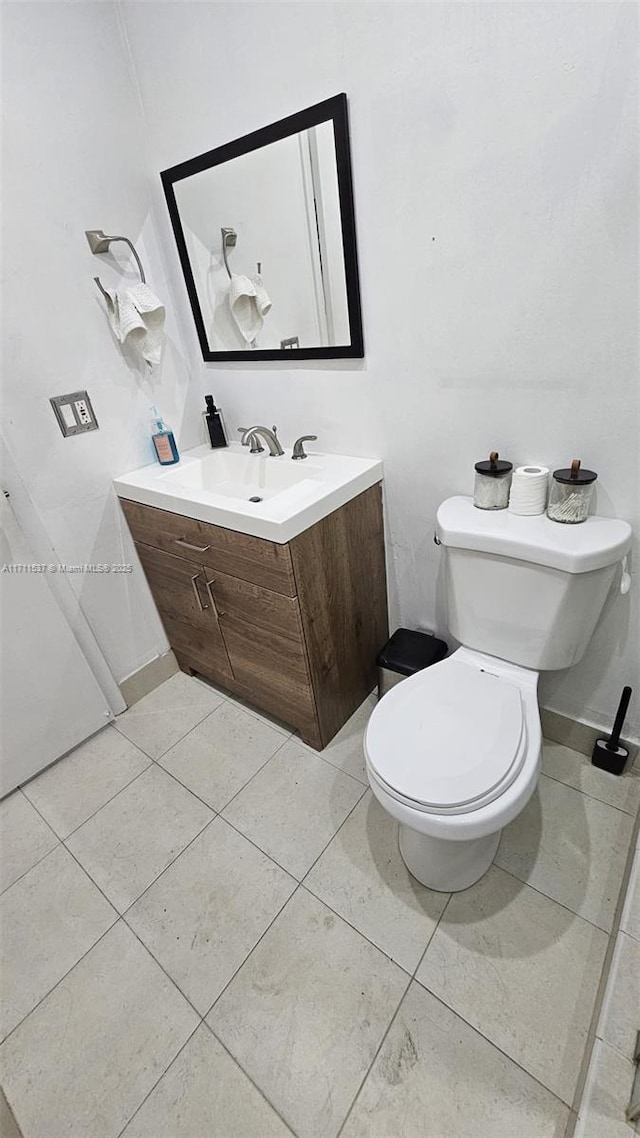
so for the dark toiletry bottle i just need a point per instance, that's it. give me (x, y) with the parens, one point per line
(215, 425)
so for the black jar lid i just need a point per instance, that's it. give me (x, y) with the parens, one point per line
(492, 466)
(574, 474)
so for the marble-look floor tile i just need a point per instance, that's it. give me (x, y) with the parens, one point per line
(570, 847)
(306, 1013)
(436, 1076)
(222, 753)
(205, 913)
(346, 749)
(71, 790)
(264, 717)
(293, 806)
(577, 770)
(137, 834)
(250, 708)
(87, 1056)
(523, 971)
(8, 1126)
(204, 1094)
(630, 918)
(363, 877)
(24, 838)
(620, 1016)
(606, 1096)
(164, 716)
(49, 919)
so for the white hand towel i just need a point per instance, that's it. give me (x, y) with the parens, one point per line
(137, 318)
(263, 300)
(249, 304)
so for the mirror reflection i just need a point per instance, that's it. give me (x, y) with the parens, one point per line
(266, 237)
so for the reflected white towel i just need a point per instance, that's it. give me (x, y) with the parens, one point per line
(137, 318)
(263, 301)
(249, 303)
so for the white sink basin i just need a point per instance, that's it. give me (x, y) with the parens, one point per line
(218, 486)
(242, 476)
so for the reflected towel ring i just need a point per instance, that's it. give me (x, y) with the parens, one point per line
(99, 243)
(229, 238)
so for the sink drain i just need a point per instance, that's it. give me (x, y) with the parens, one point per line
(255, 499)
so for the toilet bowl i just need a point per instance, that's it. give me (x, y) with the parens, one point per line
(453, 753)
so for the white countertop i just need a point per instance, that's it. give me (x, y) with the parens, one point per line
(216, 485)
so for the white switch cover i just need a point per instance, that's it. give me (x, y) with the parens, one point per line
(66, 410)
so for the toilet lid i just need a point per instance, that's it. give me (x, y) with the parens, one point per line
(448, 737)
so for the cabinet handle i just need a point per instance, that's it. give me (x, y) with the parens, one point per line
(216, 610)
(197, 594)
(188, 545)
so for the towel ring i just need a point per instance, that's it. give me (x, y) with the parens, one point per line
(99, 243)
(229, 238)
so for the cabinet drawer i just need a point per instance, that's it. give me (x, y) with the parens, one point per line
(238, 554)
(262, 608)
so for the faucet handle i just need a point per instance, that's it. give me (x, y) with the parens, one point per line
(298, 449)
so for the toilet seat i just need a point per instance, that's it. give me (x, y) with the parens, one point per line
(449, 740)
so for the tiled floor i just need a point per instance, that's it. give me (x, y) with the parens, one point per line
(208, 932)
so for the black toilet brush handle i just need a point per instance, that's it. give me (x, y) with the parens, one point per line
(614, 741)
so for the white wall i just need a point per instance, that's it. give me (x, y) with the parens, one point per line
(74, 159)
(495, 166)
(494, 154)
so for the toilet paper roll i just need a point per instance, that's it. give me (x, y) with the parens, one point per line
(529, 490)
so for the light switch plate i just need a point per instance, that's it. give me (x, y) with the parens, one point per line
(74, 413)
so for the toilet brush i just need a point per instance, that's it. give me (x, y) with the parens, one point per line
(607, 753)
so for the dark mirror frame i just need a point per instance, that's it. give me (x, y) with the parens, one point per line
(330, 109)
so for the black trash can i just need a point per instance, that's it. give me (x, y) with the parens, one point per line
(404, 654)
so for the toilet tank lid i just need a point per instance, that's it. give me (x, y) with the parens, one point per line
(572, 548)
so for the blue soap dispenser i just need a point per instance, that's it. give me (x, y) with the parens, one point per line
(164, 444)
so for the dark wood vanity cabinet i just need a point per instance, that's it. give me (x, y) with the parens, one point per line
(294, 629)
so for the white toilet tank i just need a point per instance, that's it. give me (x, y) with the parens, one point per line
(526, 589)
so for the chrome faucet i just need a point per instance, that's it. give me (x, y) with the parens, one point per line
(269, 436)
(251, 441)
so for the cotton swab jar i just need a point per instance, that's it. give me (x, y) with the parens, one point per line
(492, 483)
(570, 494)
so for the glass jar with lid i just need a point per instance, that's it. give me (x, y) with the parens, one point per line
(492, 483)
(570, 494)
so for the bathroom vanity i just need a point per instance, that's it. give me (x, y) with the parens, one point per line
(292, 626)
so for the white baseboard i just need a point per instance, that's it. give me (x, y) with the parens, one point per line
(148, 677)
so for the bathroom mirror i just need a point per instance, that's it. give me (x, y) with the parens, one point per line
(266, 236)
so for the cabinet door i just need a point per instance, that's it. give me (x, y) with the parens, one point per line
(188, 611)
(259, 607)
(263, 635)
(271, 671)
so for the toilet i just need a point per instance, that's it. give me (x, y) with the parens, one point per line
(454, 752)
